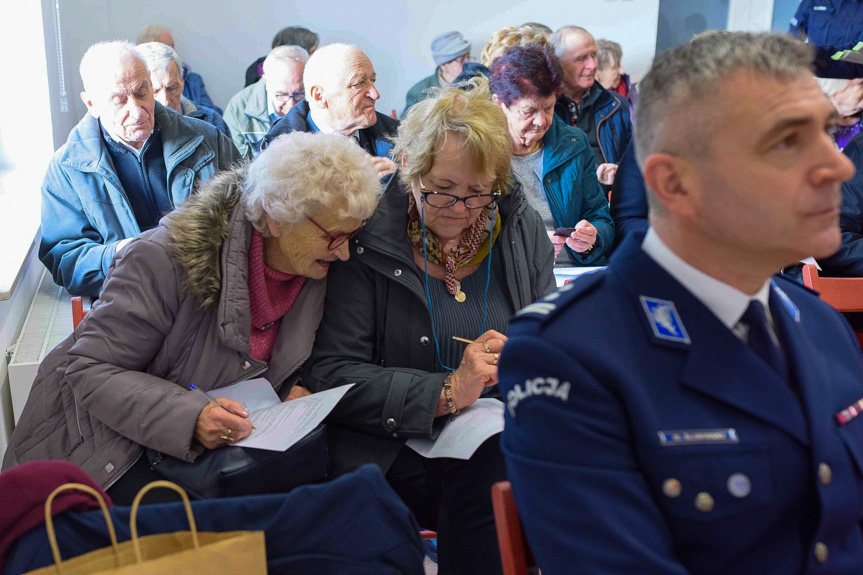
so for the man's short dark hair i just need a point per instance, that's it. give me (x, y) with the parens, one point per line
(296, 36)
(526, 71)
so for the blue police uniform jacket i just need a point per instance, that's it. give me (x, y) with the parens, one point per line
(642, 436)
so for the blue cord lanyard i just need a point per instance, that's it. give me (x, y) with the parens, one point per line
(428, 293)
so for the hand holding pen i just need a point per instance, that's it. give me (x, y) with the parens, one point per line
(221, 422)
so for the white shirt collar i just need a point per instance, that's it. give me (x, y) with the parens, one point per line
(726, 302)
(271, 110)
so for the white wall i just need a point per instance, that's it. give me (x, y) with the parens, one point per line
(220, 38)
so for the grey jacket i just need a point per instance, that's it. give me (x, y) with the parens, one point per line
(248, 118)
(376, 330)
(174, 312)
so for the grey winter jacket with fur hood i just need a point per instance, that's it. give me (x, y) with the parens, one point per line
(174, 312)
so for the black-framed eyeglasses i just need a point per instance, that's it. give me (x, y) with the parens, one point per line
(443, 200)
(296, 97)
(337, 240)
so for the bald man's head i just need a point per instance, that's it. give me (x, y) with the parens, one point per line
(340, 89)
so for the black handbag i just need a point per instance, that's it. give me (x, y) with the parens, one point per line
(237, 471)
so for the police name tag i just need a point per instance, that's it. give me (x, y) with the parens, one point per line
(697, 437)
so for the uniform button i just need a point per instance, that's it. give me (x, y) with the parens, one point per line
(821, 552)
(424, 340)
(109, 468)
(360, 249)
(391, 423)
(188, 175)
(825, 474)
(573, 139)
(397, 273)
(739, 485)
(704, 502)
(245, 365)
(672, 488)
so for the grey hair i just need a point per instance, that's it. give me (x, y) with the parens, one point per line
(150, 32)
(607, 53)
(301, 174)
(326, 65)
(283, 55)
(159, 56)
(682, 83)
(560, 39)
(102, 57)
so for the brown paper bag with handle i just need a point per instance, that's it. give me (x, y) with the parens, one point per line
(182, 552)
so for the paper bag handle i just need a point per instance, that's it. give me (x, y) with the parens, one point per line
(49, 520)
(133, 520)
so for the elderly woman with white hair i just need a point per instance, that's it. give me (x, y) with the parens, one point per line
(229, 287)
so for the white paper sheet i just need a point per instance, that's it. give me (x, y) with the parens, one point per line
(462, 436)
(564, 274)
(279, 424)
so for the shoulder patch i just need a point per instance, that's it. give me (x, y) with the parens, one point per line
(786, 301)
(551, 304)
(664, 319)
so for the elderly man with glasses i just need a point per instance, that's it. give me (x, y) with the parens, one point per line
(253, 111)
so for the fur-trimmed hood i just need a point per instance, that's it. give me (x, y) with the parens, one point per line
(196, 231)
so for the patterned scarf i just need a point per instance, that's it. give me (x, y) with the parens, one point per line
(472, 248)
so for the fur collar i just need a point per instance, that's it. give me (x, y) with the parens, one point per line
(196, 231)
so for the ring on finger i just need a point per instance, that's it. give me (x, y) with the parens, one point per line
(228, 436)
(485, 346)
(496, 357)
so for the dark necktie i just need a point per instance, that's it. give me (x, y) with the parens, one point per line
(761, 341)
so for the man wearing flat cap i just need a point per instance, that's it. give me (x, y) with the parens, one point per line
(450, 51)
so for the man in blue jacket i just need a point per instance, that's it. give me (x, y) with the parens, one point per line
(127, 163)
(585, 104)
(685, 411)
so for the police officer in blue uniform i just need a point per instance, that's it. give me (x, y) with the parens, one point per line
(830, 25)
(683, 411)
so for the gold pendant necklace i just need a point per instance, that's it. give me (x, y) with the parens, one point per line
(459, 295)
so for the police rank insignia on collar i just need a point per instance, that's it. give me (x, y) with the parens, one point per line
(786, 302)
(664, 319)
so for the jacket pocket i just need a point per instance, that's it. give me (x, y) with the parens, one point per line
(821, 24)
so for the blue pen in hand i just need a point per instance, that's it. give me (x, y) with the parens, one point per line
(211, 399)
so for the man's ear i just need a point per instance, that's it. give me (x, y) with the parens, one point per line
(318, 97)
(673, 181)
(497, 101)
(89, 103)
(273, 226)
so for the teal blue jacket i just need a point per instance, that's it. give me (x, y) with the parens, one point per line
(572, 190)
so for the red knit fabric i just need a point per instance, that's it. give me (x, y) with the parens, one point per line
(271, 295)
